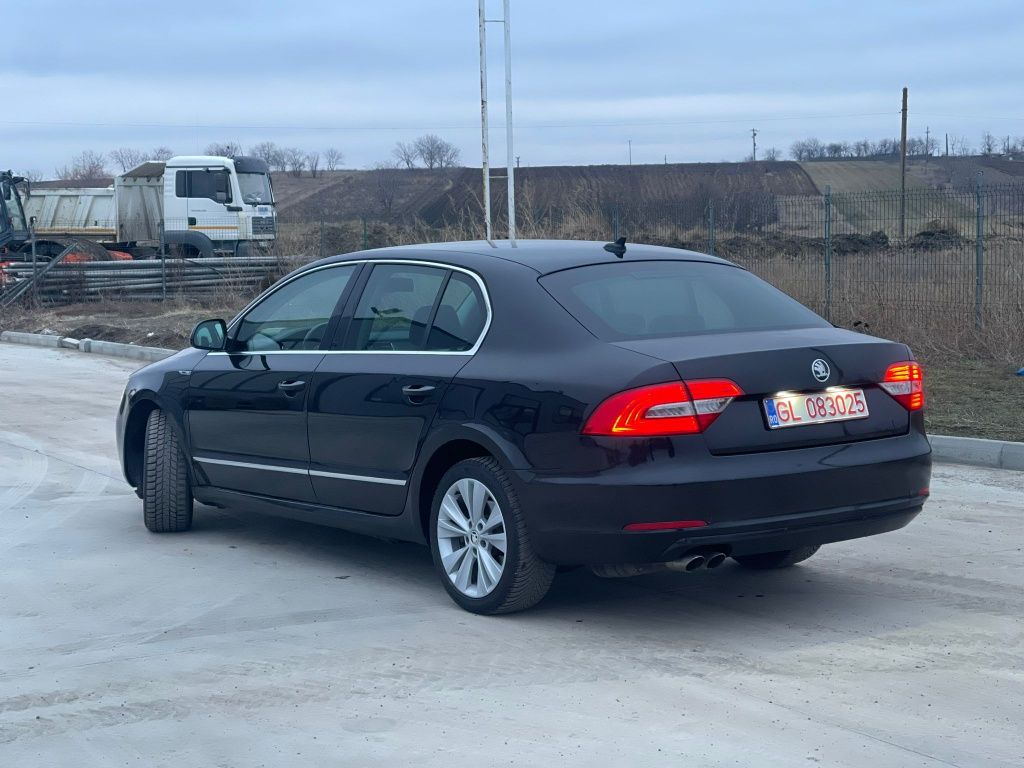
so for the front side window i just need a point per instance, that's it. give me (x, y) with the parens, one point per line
(295, 316)
(211, 184)
(395, 308)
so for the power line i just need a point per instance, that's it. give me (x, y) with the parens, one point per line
(452, 127)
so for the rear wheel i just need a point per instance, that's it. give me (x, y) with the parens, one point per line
(480, 543)
(166, 494)
(781, 559)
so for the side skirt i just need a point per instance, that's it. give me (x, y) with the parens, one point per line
(388, 526)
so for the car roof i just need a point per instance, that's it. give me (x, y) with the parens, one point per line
(543, 256)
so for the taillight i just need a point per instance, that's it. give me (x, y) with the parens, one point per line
(679, 408)
(906, 385)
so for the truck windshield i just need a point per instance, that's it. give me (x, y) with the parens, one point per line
(256, 189)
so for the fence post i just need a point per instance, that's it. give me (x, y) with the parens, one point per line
(828, 253)
(321, 234)
(711, 226)
(163, 264)
(35, 282)
(979, 254)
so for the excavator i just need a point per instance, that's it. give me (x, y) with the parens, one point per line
(13, 224)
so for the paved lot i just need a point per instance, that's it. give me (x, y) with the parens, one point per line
(254, 641)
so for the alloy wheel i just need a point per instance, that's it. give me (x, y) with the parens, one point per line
(471, 537)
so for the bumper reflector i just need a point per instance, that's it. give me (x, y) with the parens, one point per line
(669, 525)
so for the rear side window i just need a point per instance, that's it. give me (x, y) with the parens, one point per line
(460, 316)
(395, 308)
(654, 299)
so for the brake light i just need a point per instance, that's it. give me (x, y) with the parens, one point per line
(905, 382)
(678, 408)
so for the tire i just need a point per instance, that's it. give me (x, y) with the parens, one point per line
(166, 494)
(524, 578)
(766, 561)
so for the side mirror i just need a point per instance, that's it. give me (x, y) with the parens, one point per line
(210, 335)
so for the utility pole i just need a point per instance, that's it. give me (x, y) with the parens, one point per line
(753, 138)
(630, 142)
(927, 141)
(947, 145)
(903, 167)
(510, 156)
(517, 161)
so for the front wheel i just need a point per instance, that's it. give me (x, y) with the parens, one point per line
(480, 543)
(772, 560)
(166, 493)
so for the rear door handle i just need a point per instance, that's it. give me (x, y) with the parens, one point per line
(290, 387)
(417, 393)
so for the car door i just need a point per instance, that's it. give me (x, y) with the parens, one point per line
(373, 398)
(247, 419)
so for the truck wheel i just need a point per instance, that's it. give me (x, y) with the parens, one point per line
(166, 495)
(772, 560)
(480, 542)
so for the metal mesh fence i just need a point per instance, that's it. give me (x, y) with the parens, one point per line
(931, 263)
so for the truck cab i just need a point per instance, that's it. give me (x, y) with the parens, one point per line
(230, 201)
(13, 224)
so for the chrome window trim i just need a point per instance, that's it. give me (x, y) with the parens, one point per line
(413, 262)
(298, 471)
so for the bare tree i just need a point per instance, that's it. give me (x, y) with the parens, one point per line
(161, 153)
(959, 146)
(435, 152)
(32, 175)
(807, 149)
(87, 168)
(224, 149)
(294, 160)
(127, 158)
(988, 143)
(268, 152)
(772, 154)
(313, 161)
(405, 154)
(386, 177)
(333, 158)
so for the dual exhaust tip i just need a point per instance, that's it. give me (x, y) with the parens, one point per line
(688, 564)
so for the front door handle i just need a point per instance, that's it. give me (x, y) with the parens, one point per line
(291, 387)
(416, 394)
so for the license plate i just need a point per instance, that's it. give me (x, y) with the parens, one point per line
(815, 408)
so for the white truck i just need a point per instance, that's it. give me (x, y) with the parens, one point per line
(205, 205)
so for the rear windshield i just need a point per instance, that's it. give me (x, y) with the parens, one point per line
(653, 299)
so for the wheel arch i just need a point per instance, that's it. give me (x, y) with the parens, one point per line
(133, 447)
(445, 450)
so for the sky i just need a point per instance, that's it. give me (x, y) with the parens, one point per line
(678, 80)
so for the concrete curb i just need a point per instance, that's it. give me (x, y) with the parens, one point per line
(111, 348)
(999, 454)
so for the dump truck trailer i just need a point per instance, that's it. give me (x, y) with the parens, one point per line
(198, 206)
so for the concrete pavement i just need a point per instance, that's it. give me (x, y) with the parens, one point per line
(256, 641)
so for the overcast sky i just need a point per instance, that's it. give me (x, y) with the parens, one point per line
(680, 78)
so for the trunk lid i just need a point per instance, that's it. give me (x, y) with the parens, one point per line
(765, 363)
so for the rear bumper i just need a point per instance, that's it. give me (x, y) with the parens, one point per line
(754, 503)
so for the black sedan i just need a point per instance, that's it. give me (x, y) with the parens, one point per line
(521, 409)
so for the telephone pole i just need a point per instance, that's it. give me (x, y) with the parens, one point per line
(630, 142)
(903, 166)
(927, 141)
(753, 138)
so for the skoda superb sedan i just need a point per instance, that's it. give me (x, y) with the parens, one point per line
(521, 409)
